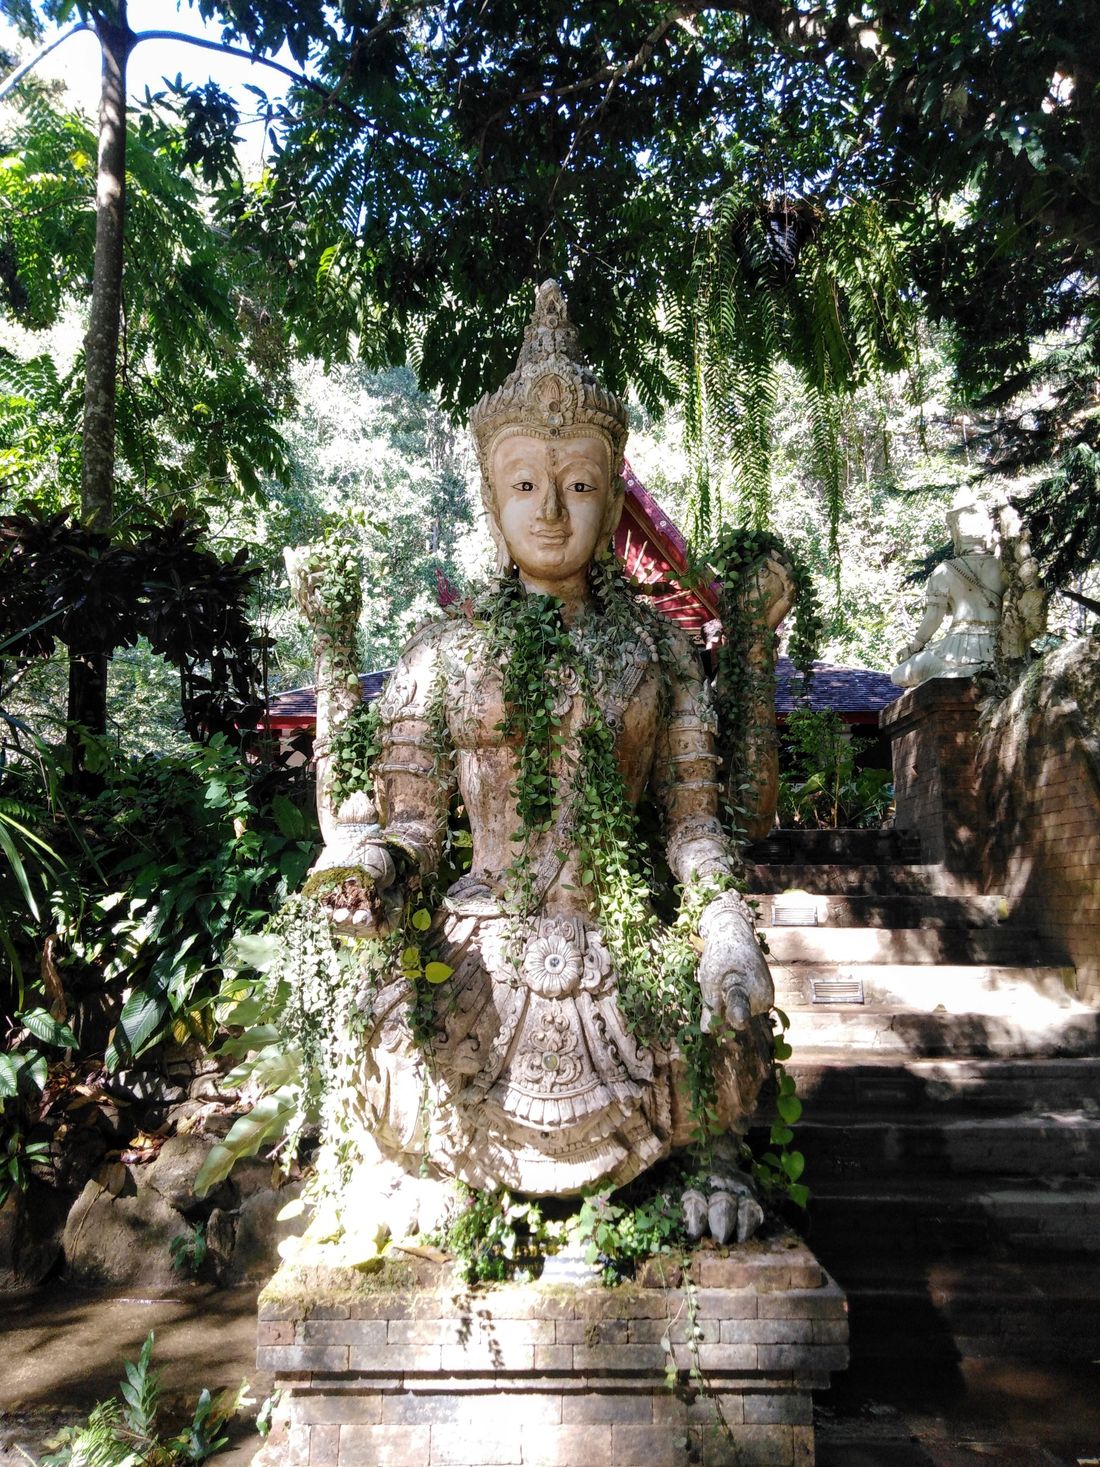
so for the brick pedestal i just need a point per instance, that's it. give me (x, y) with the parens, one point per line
(933, 741)
(711, 1360)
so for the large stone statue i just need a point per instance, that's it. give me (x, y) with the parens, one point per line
(989, 589)
(544, 1062)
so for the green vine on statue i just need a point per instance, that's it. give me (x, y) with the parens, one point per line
(759, 575)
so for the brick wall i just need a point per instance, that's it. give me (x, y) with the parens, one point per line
(933, 742)
(437, 1375)
(1039, 788)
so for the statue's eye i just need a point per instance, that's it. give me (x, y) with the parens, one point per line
(525, 487)
(580, 487)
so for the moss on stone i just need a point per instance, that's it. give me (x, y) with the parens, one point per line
(320, 883)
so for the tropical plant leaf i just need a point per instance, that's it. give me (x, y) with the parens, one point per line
(265, 1122)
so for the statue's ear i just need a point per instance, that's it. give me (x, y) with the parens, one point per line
(614, 513)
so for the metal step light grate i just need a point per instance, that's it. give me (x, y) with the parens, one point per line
(836, 990)
(788, 913)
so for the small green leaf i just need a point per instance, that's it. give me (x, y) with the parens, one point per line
(437, 972)
(789, 1107)
(422, 919)
(793, 1163)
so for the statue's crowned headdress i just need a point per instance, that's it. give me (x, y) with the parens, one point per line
(553, 391)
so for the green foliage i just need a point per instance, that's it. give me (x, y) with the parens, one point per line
(126, 1434)
(618, 1235)
(378, 470)
(188, 1251)
(823, 788)
(202, 371)
(155, 873)
(530, 642)
(778, 1170)
(495, 1237)
(353, 749)
(656, 964)
(291, 1027)
(782, 281)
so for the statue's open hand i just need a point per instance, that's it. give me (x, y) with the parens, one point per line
(733, 974)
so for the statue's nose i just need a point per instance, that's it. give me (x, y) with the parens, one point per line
(551, 507)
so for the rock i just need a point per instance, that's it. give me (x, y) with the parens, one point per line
(173, 1172)
(30, 1234)
(123, 1239)
(146, 1087)
(252, 1174)
(221, 1237)
(210, 1087)
(259, 1235)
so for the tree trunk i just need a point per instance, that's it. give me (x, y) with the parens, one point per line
(88, 661)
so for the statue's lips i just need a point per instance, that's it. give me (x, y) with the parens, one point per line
(552, 539)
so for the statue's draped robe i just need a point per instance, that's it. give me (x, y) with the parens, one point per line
(530, 1077)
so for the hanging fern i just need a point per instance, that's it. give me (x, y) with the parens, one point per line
(773, 282)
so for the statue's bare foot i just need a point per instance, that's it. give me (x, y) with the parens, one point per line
(727, 1209)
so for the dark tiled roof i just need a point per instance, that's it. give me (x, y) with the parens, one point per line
(843, 689)
(300, 704)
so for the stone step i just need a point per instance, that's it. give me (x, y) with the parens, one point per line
(839, 847)
(1003, 1311)
(905, 1031)
(974, 1147)
(865, 879)
(892, 1085)
(1039, 991)
(1015, 946)
(859, 1225)
(920, 910)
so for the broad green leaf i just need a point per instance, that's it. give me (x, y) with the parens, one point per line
(437, 972)
(266, 1121)
(9, 1076)
(288, 818)
(259, 950)
(422, 919)
(143, 1015)
(46, 1028)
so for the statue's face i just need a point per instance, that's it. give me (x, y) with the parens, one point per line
(971, 529)
(553, 502)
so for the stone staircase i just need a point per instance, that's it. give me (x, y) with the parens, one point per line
(951, 1083)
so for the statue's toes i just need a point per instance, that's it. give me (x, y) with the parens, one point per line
(749, 1217)
(722, 1215)
(694, 1205)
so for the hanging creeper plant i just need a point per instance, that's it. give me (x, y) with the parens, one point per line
(745, 682)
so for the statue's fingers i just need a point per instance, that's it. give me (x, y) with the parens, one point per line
(738, 1008)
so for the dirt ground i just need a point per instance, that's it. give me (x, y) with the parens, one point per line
(62, 1349)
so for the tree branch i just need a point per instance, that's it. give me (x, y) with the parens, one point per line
(227, 50)
(11, 82)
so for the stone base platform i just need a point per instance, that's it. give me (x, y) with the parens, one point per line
(707, 1359)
